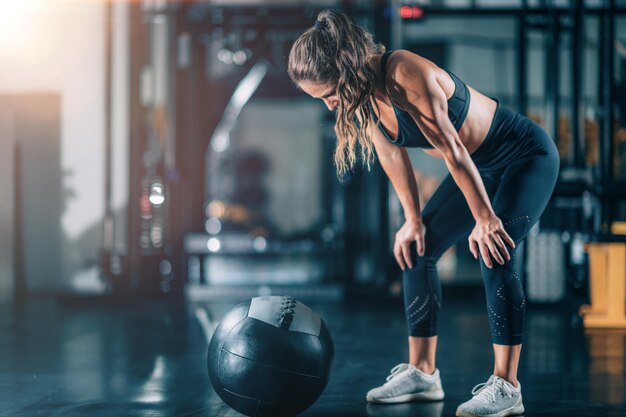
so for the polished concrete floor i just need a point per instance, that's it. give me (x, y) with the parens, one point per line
(148, 359)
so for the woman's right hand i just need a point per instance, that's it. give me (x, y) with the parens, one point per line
(411, 230)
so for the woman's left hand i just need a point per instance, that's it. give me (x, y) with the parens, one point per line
(489, 238)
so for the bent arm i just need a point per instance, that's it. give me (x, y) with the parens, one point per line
(466, 175)
(415, 87)
(397, 165)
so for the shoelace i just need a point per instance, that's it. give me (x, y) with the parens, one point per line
(488, 390)
(397, 370)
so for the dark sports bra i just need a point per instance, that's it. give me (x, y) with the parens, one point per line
(409, 134)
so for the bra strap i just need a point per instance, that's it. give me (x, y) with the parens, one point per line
(383, 62)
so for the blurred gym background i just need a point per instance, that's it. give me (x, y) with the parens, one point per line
(158, 147)
(155, 149)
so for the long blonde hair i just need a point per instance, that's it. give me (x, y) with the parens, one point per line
(336, 51)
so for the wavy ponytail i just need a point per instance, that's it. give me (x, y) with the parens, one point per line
(336, 51)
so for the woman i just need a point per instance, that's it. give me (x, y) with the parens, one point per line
(503, 169)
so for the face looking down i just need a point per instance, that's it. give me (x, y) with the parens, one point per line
(325, 92)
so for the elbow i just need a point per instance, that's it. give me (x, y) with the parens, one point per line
(453, 151)
(391, 155)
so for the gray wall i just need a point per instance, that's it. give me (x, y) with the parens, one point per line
(65, 55)
(33, 121)
(6, 202)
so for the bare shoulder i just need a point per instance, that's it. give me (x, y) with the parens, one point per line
(405, 65)
(409, 76)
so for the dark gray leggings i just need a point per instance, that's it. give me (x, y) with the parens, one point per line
(519, 165)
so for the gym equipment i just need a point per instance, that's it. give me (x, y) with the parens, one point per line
(607, 267)
(545, 267)
(270, 356)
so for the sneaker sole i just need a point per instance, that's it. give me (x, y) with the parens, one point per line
(513, 411)
(434, 393)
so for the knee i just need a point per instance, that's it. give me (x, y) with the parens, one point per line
(430, 257)
(422, 265)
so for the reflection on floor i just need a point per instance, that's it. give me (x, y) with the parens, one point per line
(149, 360)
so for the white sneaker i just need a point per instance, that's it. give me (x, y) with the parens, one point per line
(407, 383)
(494, 398)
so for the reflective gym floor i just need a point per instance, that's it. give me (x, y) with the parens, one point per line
(88, 359)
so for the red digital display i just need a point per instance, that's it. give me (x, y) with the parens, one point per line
(411, 12)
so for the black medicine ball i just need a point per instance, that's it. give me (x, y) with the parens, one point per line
(270, 356)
